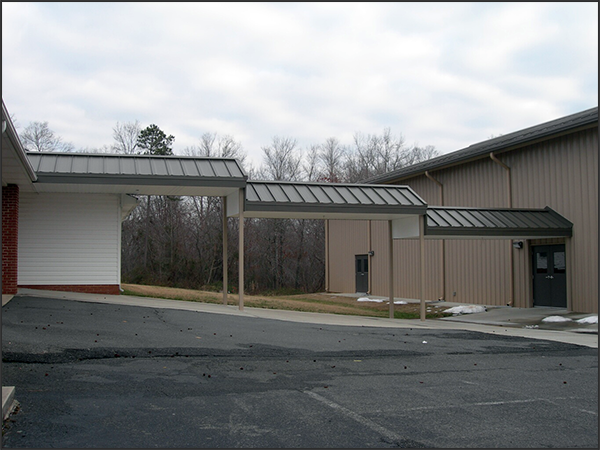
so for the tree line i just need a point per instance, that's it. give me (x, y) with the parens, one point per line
(177, 241)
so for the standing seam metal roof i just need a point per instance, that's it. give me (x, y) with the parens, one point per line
(473, 222)
(279, 195)
(62, 167)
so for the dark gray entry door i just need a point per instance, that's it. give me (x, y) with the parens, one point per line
(362, 273)
(549, 276)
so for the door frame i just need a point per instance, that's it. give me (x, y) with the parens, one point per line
(365, 258)
(552, 248)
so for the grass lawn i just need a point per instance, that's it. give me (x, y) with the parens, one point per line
(319, 302)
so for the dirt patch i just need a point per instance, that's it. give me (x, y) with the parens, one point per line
(317, 302)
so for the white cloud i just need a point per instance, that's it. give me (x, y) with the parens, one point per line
(447, 75)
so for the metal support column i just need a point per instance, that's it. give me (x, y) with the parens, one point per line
(391, 269)
(326, 255)
(241, 250)
(422, 258)
(225, 265)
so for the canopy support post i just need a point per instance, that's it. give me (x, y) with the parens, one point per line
(241, 250)
(225, 265)
(391, 269)
(422, 258)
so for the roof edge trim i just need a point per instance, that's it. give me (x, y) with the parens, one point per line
(11, 132)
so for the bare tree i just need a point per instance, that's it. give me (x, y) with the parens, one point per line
(282, 160)
(375, 155)
(311, 164)
(38, 136)
(215, 146)
(126, 136)
(418, 154)
(331, 156)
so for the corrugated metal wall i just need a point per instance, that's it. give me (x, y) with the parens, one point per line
(346, 239)
(67, 239)
(561, 173)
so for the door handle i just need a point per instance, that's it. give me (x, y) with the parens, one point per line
(550, 277)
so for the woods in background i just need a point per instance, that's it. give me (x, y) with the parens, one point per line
(177, 241)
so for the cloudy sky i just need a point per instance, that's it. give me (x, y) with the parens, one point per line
(442, 74)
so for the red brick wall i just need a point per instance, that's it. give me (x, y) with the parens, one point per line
(10, 238)
(110, 289)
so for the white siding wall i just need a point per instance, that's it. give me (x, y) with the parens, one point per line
(69, 239)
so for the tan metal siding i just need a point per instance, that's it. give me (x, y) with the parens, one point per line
(347, 238)
(407, 253)
(477, 271)
(563, 174)
(407, 267)
(478, 184)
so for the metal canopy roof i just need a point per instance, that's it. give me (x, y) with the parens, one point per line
(136, 174)
(278, 199)
(494, 223)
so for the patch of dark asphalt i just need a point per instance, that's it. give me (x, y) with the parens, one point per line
(256, 351)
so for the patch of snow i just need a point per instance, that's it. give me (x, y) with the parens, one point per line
(379, 300)
(589, 319)
(555, 319)
(467, 309)
(531, 326)
(367, 299)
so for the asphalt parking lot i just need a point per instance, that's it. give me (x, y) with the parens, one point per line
(120, 376)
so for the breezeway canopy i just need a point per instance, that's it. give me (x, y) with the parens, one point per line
(136, 174)
(407, 214)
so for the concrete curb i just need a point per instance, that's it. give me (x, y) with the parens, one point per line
(8, 401)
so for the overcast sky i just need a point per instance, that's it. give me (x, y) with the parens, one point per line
(442, 74)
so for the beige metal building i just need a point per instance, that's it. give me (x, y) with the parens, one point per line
(554, 165)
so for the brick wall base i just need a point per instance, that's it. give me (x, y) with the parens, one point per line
(10, 238)
(110, 289)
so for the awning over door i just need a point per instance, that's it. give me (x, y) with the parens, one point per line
(488, 223)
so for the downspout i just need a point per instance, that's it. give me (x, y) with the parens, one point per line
(510, 247)
(442, 241)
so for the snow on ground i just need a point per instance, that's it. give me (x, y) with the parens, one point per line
(378, 300)
(583, 321)
(367, 299)
(589, 319)
(555, 319)
(466, 309)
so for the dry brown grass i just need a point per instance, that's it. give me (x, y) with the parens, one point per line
(318, 302)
